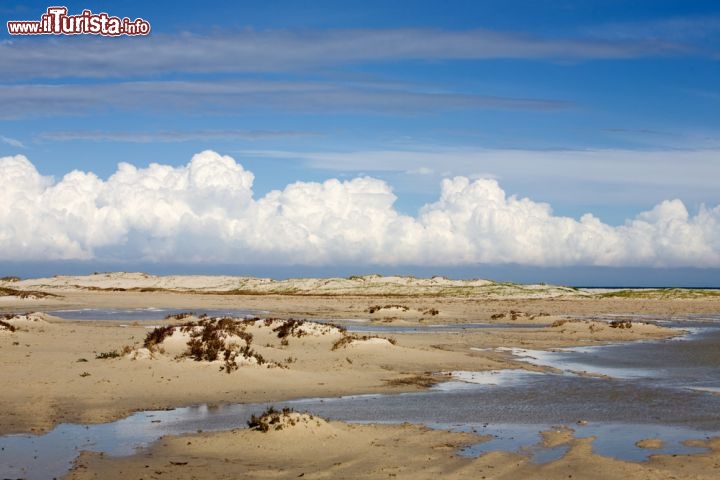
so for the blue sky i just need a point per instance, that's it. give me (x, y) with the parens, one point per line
(608, 108)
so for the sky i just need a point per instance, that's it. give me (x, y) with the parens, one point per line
(394, 136)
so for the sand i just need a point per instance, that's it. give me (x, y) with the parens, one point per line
(57, 376)
(337, 450)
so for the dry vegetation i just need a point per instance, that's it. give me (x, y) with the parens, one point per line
(273, 419)
(229, 340)
(377, 308)
(26, 294)
(348, 339)
(6, 326)
(210, 339)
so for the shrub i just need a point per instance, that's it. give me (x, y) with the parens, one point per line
(7, 326)
(179, 316)
(110, 354)
(157, 335)
(270, 418)
(346, 340)
(231, 353)
(340, 328)
(290, 328)
(208, 340)
(376, 308)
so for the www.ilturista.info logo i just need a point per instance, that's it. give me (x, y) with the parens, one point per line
(57, 22)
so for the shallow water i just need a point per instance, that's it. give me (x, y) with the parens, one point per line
(690, 362)
(661, 389)
(617, 440)
(361, 325)
(149, 313)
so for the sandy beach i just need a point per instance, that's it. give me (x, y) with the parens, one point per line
(93, 371)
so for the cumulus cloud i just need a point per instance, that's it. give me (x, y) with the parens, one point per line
(205, 211)
(625, 177)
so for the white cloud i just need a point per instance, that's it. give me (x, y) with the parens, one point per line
(170, 135)
(32, 100)
(590, 177)
(284, 50)
(11, 141)
(205, 211)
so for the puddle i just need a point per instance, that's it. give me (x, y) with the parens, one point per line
(51, 455)
(616, 440)
(470, 380)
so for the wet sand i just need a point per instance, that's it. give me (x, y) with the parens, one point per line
(52, 362)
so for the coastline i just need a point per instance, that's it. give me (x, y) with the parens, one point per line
(44, 358)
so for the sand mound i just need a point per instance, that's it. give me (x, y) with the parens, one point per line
(298, 328)
(374, 341)
(514, 316)
(356, 341)
(223, 340)
(650, 443)
(276, 420)
(230, 341)
(613, 329)
(26, 320)
(13, 293)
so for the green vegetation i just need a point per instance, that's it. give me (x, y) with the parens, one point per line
(661, 293)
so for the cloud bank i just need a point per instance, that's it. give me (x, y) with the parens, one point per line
(255, 51)
(215, 97)
(205, 211)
